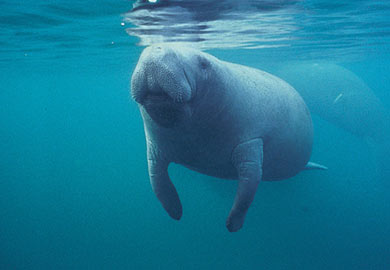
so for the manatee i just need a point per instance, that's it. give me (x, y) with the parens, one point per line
(220, 119)
(339, 96)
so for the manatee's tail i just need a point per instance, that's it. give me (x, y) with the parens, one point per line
(314, 166)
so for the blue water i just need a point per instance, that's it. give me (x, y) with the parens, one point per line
(74, 188)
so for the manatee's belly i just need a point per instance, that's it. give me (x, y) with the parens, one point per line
(284, 160)
(280, 160)
(212, 161)
(226, 171)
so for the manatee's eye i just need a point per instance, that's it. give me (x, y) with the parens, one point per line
(203, 62)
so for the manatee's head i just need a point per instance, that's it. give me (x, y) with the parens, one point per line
(165, 82)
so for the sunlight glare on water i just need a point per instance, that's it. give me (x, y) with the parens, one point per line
(319, 28)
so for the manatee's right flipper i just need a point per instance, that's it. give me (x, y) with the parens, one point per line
(248, 160)
(161, 184)
(315, 166)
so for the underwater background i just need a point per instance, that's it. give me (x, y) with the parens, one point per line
(74, 188)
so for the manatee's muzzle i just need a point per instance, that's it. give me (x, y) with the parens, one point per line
(161, 83)
(163, 111)
(162, 86)
(165, 105)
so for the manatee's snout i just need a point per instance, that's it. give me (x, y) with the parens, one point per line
(161, 84)
(160, 73)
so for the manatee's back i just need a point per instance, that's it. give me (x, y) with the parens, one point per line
(339, 96)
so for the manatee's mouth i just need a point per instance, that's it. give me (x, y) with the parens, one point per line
(163, 110)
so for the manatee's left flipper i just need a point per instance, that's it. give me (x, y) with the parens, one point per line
(162, 184)
(248, 160)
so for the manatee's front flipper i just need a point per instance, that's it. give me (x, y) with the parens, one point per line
(161, 184)
(248, 160)
(314, 166)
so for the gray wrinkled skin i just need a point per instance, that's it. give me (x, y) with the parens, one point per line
(220, 119)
